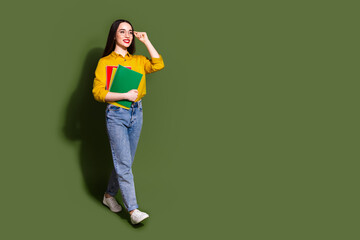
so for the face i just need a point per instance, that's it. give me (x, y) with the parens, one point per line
(124, 35)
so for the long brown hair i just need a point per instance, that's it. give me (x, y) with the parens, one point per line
(110, 44)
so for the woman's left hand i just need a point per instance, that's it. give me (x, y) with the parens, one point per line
(142, 36)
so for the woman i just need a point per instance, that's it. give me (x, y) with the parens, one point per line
(124, 124)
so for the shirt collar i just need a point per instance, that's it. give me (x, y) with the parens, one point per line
(114, 54)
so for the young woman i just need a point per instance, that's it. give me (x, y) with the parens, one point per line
(124, 124)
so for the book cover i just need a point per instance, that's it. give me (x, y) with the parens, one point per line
(125, 80)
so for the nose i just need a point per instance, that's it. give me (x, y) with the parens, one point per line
(127, 34)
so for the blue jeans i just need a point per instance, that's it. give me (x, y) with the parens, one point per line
(123, 127)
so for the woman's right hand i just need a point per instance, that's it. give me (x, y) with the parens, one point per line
(132, 95)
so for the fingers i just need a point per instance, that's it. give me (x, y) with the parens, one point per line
(140, 35)
(132, 95)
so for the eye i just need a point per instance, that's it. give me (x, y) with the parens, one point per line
(131, 32)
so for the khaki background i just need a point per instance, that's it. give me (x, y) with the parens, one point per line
(250, 132)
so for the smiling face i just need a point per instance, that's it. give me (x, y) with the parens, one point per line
(124, 35)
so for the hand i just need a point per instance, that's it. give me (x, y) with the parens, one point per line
(142, 36)
(132, 95)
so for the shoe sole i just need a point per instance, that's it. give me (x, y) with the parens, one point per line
(110, 208)
(139, 221)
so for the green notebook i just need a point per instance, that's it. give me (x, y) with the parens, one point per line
(125, 80)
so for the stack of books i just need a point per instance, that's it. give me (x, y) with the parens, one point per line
(122, 79)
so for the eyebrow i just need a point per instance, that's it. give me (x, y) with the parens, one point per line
(125, 29)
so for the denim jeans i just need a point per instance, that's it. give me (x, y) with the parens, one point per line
(123, 127)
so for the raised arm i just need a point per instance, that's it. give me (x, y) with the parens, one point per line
(142, 36)
(156, 63)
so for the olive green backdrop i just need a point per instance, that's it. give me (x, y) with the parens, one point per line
(250, 132)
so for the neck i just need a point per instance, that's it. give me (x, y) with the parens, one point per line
(120, 50)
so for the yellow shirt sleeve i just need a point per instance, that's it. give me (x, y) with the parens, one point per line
(153, 65)
(99, 90)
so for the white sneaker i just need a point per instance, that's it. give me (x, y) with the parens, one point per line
(137, 216)
(112, 204)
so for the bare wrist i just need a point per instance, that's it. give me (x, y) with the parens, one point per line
(126, 96)
(147, 43)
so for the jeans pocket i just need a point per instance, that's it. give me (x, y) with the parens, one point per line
(114, 108)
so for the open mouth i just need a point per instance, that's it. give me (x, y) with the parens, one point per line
(126, 41)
